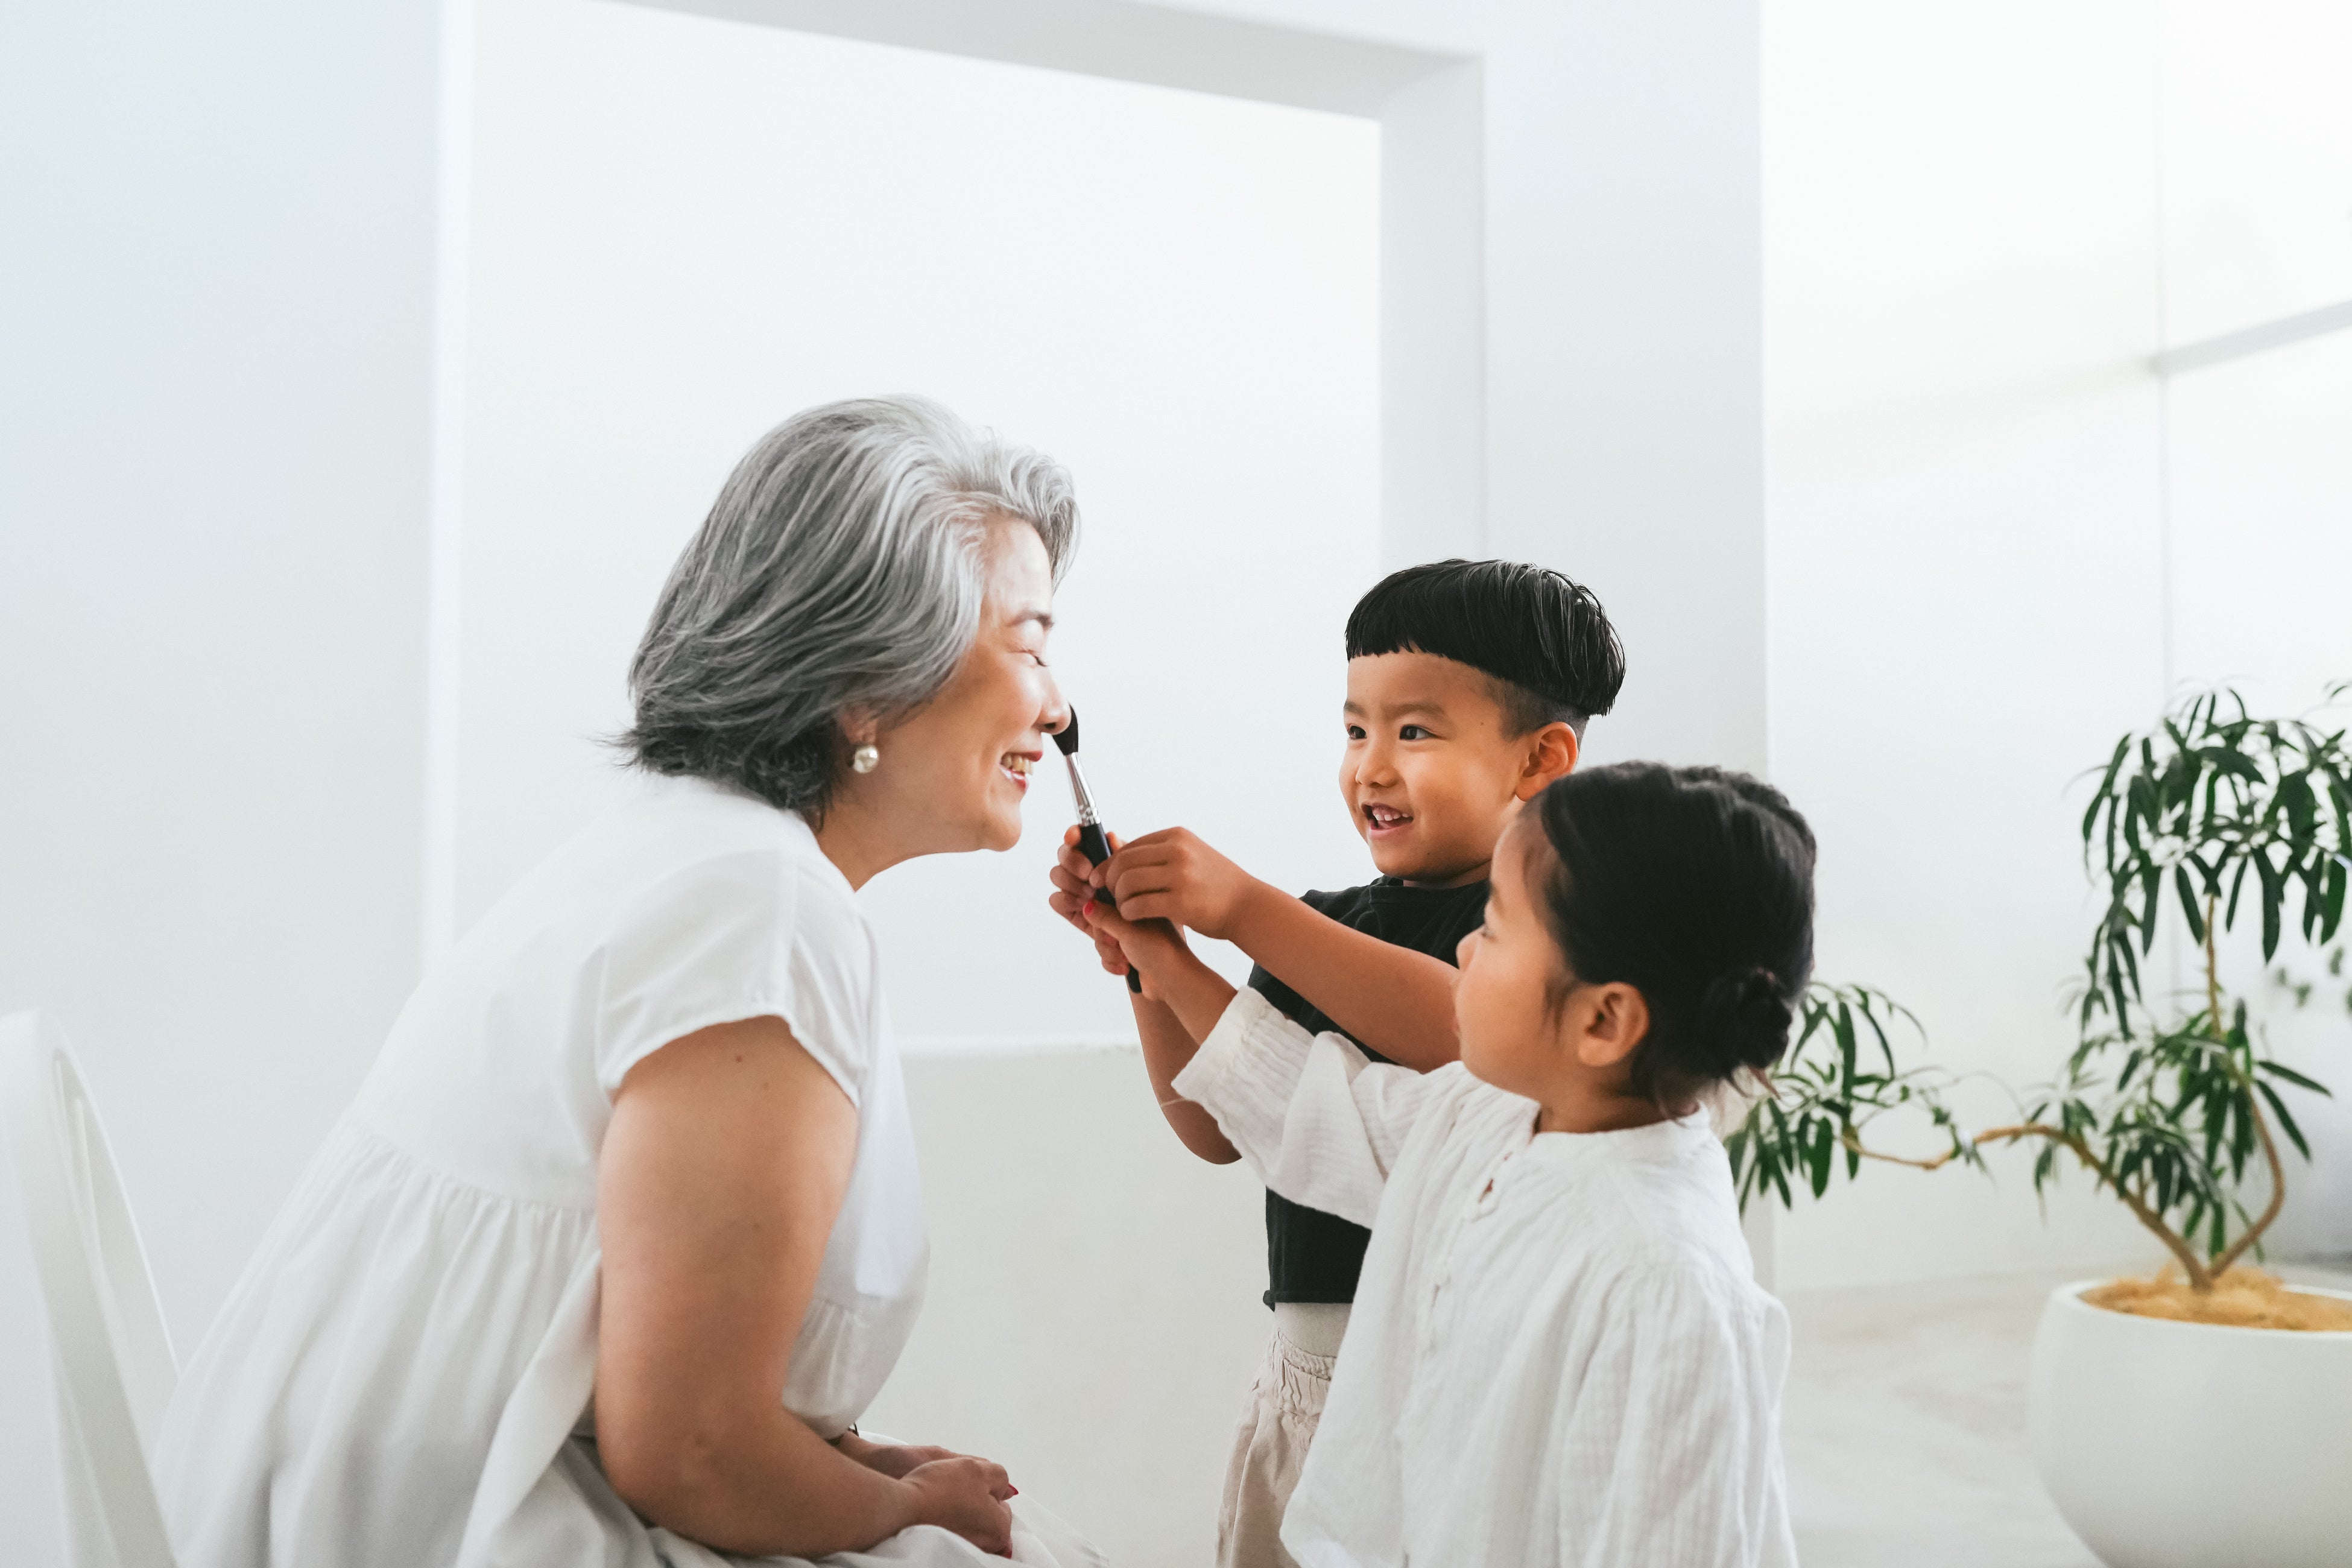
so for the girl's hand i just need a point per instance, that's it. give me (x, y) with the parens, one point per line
(1152, 947)
(1195, 993)
(1172, 875)
(966, 1496)
(1071, 892)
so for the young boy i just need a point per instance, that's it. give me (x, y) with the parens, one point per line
(1469, 685)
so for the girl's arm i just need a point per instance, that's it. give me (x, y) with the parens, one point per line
(1167, 1050)
(1670, 1435)
(720, 1173)
(1167, 1045)
(1319, 1123)
(1397, 1000)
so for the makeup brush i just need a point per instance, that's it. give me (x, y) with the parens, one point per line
(1092, 842)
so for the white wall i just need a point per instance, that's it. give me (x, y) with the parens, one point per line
(1621, 296)
(1174, 294)
(1997, 543)
(2257, 187)
(214, 298)
(1966, 561)
(233, 236)
(2262, 518)
(2256, 161)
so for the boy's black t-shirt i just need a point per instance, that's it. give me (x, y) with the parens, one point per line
(1311, 1255)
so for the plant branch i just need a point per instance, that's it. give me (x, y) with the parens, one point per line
(2201, 1278)
(2254, 1232)
(2213, 967)
(2245, 1083)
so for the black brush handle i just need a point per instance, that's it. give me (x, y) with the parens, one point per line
(1096, 848)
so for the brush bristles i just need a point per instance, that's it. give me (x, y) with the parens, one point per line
(1066, 737)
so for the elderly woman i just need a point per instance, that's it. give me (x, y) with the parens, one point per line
(622, 1232)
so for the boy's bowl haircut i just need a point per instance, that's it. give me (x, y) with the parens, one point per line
(1542, 638)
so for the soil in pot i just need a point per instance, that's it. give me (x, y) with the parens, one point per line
(2241, 1298)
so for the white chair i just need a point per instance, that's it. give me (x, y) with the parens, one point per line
(115, 1367)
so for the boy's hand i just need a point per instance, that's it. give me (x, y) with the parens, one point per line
(1070, 894)
(1172, 875)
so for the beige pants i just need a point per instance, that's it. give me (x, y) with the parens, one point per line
(1270, 1445)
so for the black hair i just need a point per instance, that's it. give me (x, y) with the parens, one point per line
(1694, 886)
(1544, 640)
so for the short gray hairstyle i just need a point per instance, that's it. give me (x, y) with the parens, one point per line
(841, 568)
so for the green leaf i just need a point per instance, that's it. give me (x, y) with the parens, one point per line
(2279, 1070)
(2139, 803)
(2273, 897)
(2105, 797)
(2240, 765)
(2302, 806)
(2188, 902)
(2287, 1121)
(1817, 1157)
(1878, 1032)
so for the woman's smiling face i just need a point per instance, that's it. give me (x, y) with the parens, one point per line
(956, 770)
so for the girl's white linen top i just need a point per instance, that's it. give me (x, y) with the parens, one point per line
(1558, 1353)
(399, 1376)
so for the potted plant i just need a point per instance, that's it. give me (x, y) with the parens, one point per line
(2204, 1417)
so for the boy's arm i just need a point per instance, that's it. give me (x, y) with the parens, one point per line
(1396, 1001)
(1167, 1047)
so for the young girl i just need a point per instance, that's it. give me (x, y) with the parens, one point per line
(1558, 1352)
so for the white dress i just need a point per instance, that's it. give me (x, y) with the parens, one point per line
(1558, 1353)
(402, 1377)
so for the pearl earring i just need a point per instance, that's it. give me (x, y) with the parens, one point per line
(864, 759)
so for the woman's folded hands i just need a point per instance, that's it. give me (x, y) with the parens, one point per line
(964, 1495)
(951, 1490)
(893, 1459)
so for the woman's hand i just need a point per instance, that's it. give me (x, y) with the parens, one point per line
(896, 1460)
(964, 1495)
(892, 1460)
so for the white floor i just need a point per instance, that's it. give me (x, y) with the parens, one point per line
(1905, 1427)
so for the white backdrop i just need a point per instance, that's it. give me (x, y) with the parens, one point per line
(1992, 548)
(2261, 517)
(685, 229)
(216, 349)
(1966, 572)
(216, 346)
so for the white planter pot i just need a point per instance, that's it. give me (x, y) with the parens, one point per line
(2183, 1446)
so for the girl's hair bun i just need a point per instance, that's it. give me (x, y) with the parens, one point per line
(1744, 1018)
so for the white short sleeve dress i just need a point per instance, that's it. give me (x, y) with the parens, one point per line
(401, 1378)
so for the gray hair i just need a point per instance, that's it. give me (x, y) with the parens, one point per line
(840, 569)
